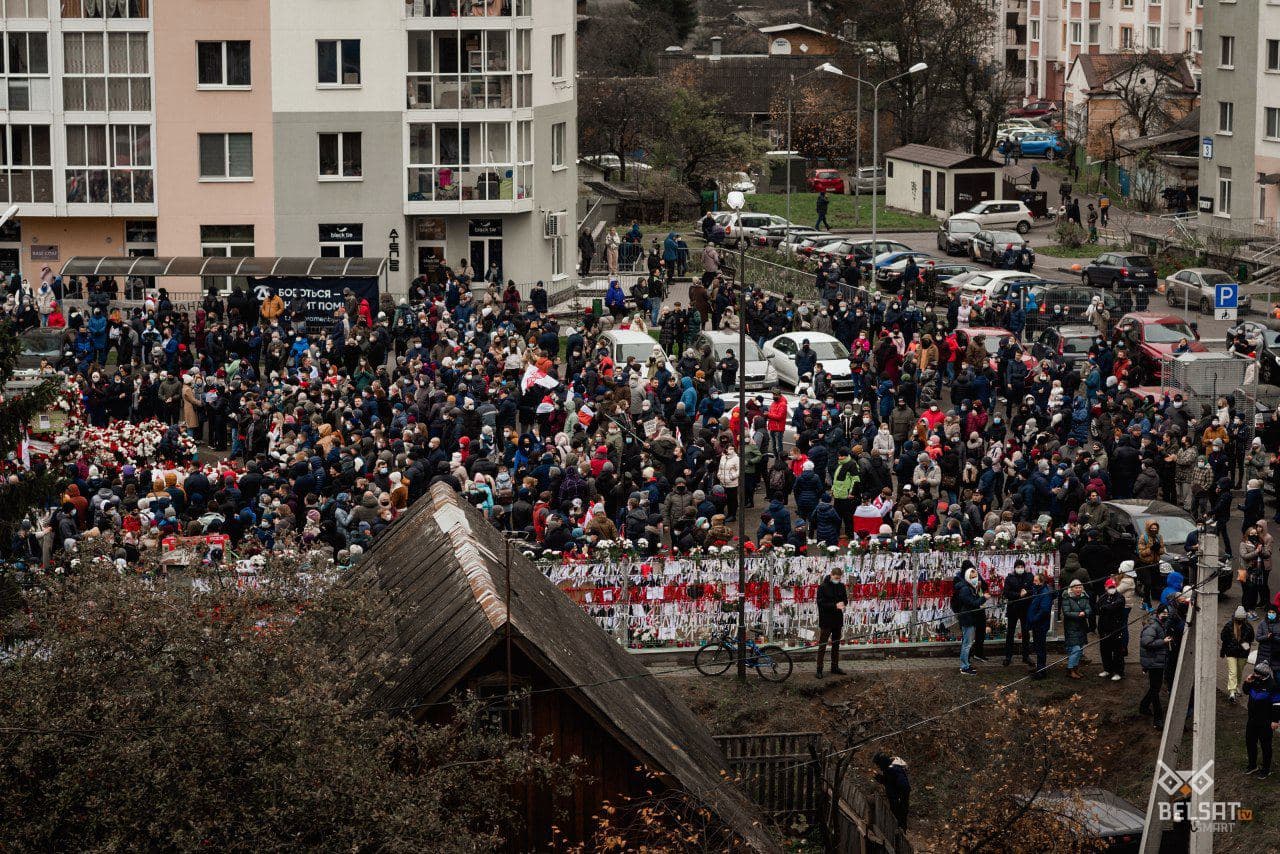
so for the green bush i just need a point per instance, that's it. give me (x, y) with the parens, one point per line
(1067, 233)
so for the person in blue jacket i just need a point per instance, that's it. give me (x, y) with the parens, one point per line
(825, 522)
(1039, 611)
(688, 395)
(615, 299)
(807, 491)
(1264, 716)
(670, 254)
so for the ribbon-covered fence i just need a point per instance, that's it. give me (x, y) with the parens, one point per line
(894, 597)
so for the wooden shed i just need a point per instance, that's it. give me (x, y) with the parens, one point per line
(938, 181)
(441, 572)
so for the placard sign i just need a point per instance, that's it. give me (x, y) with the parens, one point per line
(320, 297)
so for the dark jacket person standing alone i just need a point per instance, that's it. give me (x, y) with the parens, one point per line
(832, 598)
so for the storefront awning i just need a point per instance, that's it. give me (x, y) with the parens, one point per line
(328, 268)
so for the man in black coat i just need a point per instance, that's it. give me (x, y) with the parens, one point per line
(1017, 594)
(832, 598)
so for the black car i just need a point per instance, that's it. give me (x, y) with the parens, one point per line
(1074, 301)
(1072, 343)
(1264, 336)
(954, 235)
(991, 246)
(1120, 270)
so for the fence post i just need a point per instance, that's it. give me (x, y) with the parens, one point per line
(621, 627)
(915, 598)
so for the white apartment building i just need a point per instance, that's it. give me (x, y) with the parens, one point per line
(1240, 119)
(1060, 30)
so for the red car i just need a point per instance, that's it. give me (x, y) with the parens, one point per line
(829, 180)
(1034, 109)
(1149, 337)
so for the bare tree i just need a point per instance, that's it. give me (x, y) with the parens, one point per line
(617, 115)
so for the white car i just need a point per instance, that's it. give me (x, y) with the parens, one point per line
(739, 181)
(1004, 213)
(831, 354)
(760, 374)
(986, 286)
(1015, 129)
(624, 343)
(748, 226)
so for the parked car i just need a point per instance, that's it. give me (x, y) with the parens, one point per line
(739, 181)
(1119, 270)
(831, 354)
(1072, 343)
(773, 236)
(1195, 286)
(825, 180)
(997, 285)
(760, 374)
(1035, 109)
(1029, 122)
(1101, 820)
(889, 267)
(623, 343)
(991, 337)
(746, 226)
(806, 244)
(990, 246)
(857, 251)
(1150, 337)
(1004, 213)
(1125, 518)
(1074, 300)
(1017, 134)
(1043, 144)
(869, 179)
(955, 235)
(1264, 335)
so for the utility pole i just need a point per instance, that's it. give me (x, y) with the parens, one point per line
(1204, 716)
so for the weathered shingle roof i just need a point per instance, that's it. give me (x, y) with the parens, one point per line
(440, 572)
(1101, 68)
(941, 158)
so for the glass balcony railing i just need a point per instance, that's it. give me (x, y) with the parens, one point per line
(458, 92)
(115, 186)
(26, 185)
(460, 8)
(505, 182)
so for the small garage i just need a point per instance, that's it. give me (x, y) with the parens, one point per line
(939, 181)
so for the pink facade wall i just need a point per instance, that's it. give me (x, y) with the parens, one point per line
(183, 111)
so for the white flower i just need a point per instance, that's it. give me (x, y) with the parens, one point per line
(832, 549)
(642, 543)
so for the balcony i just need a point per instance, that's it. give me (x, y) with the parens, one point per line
(113, 186)
(453, 185)
(467, 8)
(26, 185)
(458, 91)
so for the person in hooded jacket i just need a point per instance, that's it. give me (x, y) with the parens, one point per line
(807, 491)
(968, 604)
(1018, 588)
(891, 772)
(1113, 615)
(1237, 639)
(1154, 644)
(1264, 717)
(825, 522)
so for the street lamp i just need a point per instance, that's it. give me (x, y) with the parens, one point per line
(736, 201)
(8, 215)
(875, 126)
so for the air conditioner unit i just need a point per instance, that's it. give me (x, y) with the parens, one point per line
(555, 224)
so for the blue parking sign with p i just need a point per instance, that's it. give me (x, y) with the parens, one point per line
(1226, 296)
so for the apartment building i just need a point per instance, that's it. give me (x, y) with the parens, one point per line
(1060, 30)
(1240, 119)
(412, 129)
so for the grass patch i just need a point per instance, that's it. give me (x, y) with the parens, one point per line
(842, 212)
(1088, 250)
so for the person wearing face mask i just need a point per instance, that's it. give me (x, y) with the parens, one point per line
(1018, 589)
(1112, 623)
(1264, 718)
(1154, 645)
(832, 598)
(968, 604)
(1237, 639)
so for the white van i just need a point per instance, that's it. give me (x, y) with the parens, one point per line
(624, 343)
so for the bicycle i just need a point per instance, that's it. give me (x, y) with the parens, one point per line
(771, 661)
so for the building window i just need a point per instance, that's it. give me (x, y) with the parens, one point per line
(109, 164)
(338, 62)
(1197, 39)
(225, 241)
(557, 56)
(222, 64)
(340, 156)
(557, 144)
(557, 256)
(342, 241)
(1273, 54)
(1153, 37)
(106, 71)
(1227, 52)
(26, 71)
(14, 9)
(1126, 38)
(1035, 31)
(1273, 122)
(1226, 117)
(1126, 4)
(1074, 29)
(226, 156)
(1093, 32)
(106, 8)
(26, 159)
(1224, 190)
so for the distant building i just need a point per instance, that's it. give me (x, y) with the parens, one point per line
(1104, 91)
(938, 181)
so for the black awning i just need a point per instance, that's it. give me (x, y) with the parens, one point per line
(329, 268)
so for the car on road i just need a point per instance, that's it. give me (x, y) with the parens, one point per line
(1264, 335)
(857, 251)
(990, 246)
(1044, 144)
(1126, 518)
(1072, 343)
(1034, 109)
(760, 374)
(999, 214)
(747, 225)
(1195, 286)
(1119, 270)
(831, 354)
(997, 285)
(624, 343)
(1074, 300)
(825, 180)
(955, 235)
(773, 236)
(889, 267)
(1150, 337)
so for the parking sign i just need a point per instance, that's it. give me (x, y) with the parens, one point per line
(1226, 299)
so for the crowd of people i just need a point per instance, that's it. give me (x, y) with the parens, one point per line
(322, 435)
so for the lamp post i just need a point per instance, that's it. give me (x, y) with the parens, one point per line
(736, 201)
(875, 126)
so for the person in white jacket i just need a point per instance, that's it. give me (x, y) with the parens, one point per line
(883, 442)
(727, 474)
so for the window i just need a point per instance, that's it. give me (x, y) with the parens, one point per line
(106, 71)
(26, 71)
(226, 156)
(557, 257)
(105, 8)
(557, 144)
(222, 64)
(557, 56)
(1226, 116)
(1035, 31)
(25, 9)
(1273, 54)
(225, 241)
(1224, 190)
(109, 164)
(1272, 115)
(1153, 37)
(1126, 4)
(342, 241)
(1227, 52)
(1197, 40)
(338, 62)
(1074, 28)
(340, 156)
(1093, 32)
(26, 161)
(1126, 37)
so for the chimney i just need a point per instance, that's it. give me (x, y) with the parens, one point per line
(717, 44)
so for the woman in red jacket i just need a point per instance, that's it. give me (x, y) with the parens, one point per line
(777, 422)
